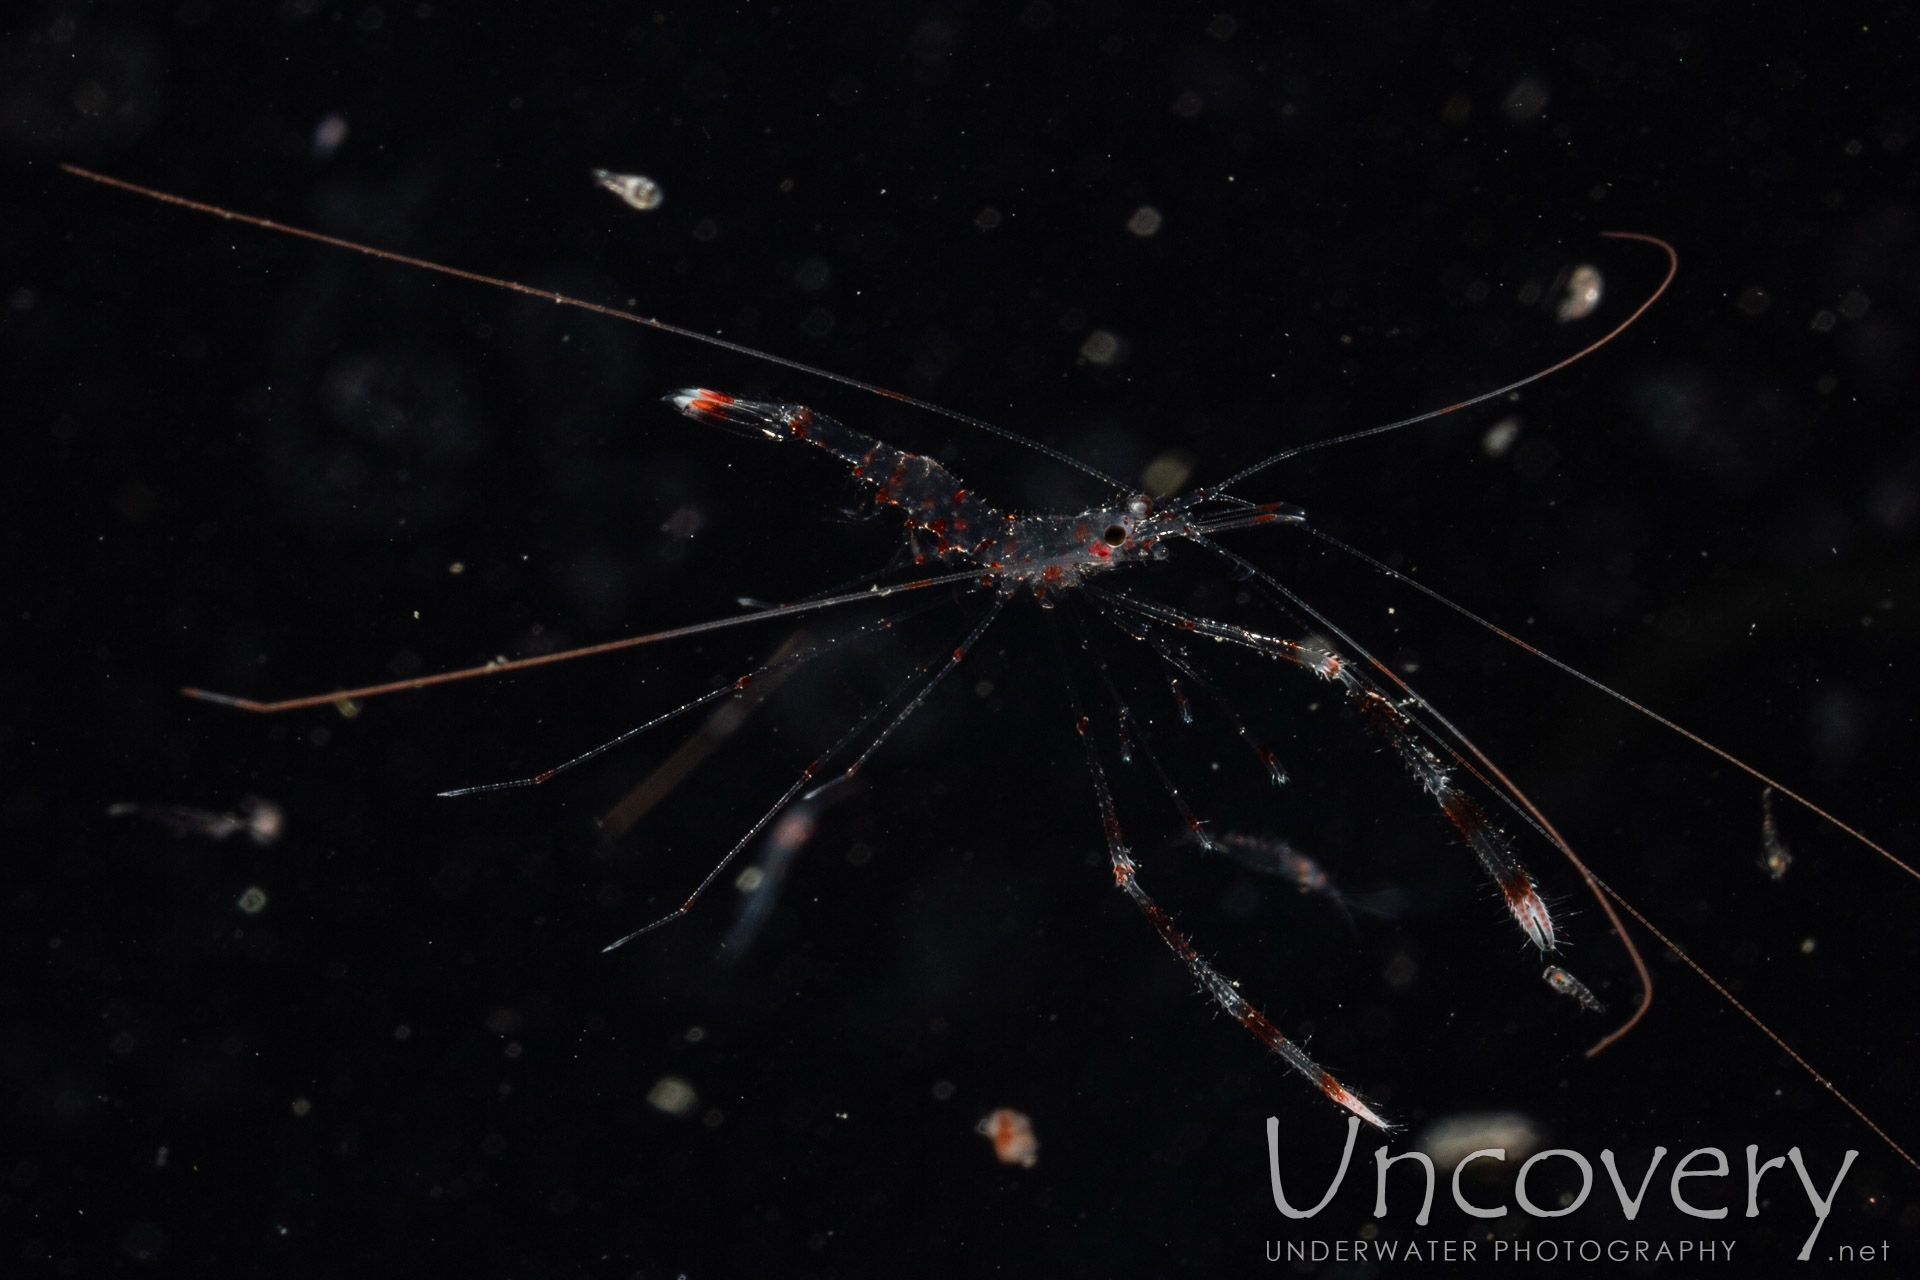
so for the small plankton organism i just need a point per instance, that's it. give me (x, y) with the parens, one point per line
(1012, 1135)
(1775, 857)
(1584, 288)
(262, 820)
(1572, 988)
(638, 190)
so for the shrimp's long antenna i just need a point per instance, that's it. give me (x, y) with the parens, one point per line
(1673, 266)
(1600, 890)
(610, 646)
(1493, 771)
(1617, 696)
(1754, 1018)
(693, 335)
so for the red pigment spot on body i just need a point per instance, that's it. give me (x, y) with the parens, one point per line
(1080, 532)
(1164, 924)
(1100, 549)
(1467, 818)
(858, 471)
(883, 494)
(959, 496)
(959, 525)
(1053, 573)
(959, 653)
(810, 770)
(743, 682)
(1335, 1090)
(937, 526)
(800, 421)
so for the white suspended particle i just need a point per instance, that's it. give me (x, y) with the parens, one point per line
(1525, 101)
(672, 1095)
(1583, 291)
(329, 135)
(1500, 437)
(1450, 1139)
(1102, 347)
(638, 190)
(1167, 474)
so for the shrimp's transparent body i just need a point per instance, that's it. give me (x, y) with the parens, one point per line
(957, 540)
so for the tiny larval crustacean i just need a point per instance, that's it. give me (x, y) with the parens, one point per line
(959, 543)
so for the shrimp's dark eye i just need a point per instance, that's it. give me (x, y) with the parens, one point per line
(1115, 534)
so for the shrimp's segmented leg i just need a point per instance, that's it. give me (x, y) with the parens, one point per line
(1132, 734)
(807, 775)
(732, 688)
(1392, 722)
(1469, 819)
(1185, 663)
(907, 712)
(1219, 988)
